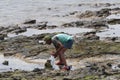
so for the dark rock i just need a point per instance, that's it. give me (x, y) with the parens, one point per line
(2, 36)
(5, 63)
(112, 38)
(17, 77)
(1, 28)
(48, 64)
(52, 26)
(87, 14)
(67, 79)
(109, 64)
(20, 30)
(103, 13)
(97, 24)
(91, 36)
(116, 9)
(36, 70)
(10, 53)
(73, 24)
(113, 21)
(119, 65)
(30, 22)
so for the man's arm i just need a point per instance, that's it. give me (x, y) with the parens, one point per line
(60, 45)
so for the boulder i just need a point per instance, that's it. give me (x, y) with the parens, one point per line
(5, 63)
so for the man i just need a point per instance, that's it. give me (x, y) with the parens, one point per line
(62, 42)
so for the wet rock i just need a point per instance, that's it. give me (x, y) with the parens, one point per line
(40, 36)
(2, 36)
(52, 26)
(91, 36)
(10, 53)
(113, 21)
(73, 13)
(97, 24)
(12, 28)
(87, 14)
(20, 30)
(114, 39)
(30, 22)
(74, 24)
(5, 63)
(36, 70)
(48, 64)
(116, 9)
(1, 28)
(119, 65)
(41, 25)
(16, 77)
(109, 64)
(103, 13)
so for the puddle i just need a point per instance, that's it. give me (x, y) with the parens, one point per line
(15, 63)
(113, 31)
(31, 31)
(114, 16)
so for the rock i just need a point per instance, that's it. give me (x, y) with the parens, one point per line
(74, 24)
(5, 63)
(30, 22)
(86, 14)
(2, 36)
(103, 13)
(52, 26)
(97, 24)
(48, 64)
(114, 39)
(20, 30)
(113, 21)
(1, 28)
(119, 65)
(91, 36)
(36, 70)
(10, 53)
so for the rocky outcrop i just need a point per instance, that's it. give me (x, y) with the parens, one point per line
(101, 13)
(113, 21)
(30, 22)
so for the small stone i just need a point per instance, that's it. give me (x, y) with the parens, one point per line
(5, 63)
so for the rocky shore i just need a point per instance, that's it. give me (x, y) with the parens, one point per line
(94, 57)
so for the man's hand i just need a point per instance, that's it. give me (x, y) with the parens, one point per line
(54, 54)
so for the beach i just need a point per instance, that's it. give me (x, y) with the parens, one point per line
(94, 25)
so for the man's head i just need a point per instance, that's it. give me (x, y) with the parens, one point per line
(47, 39)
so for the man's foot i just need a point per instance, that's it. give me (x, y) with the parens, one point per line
(67, 68)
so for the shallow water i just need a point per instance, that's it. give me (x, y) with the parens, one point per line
(113, 31)
(31, 31)
(15, 63)
(17, 11)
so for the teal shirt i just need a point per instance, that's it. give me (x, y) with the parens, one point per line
(63, 38)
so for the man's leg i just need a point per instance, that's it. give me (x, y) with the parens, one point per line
(62, 56)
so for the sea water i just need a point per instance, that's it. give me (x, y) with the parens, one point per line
(53, 11)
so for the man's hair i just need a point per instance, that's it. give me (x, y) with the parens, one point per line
(47, 37)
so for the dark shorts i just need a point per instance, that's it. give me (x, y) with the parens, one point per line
(68, 44)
